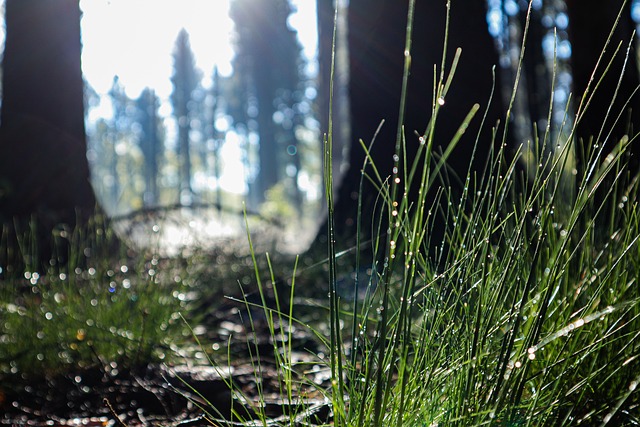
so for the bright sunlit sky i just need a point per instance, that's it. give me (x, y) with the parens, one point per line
(134, 39)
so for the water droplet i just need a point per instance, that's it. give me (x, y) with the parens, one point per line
(441, 101)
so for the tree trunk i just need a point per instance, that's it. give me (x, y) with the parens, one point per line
(590, 23)
(376, 39)
(44, 171)
(268, 149)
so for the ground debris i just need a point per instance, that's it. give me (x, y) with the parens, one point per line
(203, 389)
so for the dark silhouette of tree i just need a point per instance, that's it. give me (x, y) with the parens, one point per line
(150, 140)
(185, 79)
(43, 166)
(590, 23)
(267, 59)
(376, 36)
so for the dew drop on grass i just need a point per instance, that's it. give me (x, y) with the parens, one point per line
(441, 101)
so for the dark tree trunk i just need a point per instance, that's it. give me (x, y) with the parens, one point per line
(536, 75)
(43, 166)
(590, 23)
(268, 150)
(376, 46)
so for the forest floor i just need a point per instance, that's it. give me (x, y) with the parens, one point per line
(226, 372)
(193, 392)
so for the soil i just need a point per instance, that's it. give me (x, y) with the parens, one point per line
(190, 393)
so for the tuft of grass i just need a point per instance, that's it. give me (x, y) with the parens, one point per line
(529, 312)
(528, 315)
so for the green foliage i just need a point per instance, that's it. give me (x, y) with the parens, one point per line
(98, 310)
(526, 313)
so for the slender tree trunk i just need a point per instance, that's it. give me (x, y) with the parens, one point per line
(376, 36)
(268, 151)
(590, 23)
(184, 155)
(43, 166)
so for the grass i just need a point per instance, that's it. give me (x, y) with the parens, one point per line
(528, 314)
(99, 310)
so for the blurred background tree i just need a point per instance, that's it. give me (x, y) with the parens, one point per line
(150, 137)
(257, 126)
(268, 61)
(185, 80)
